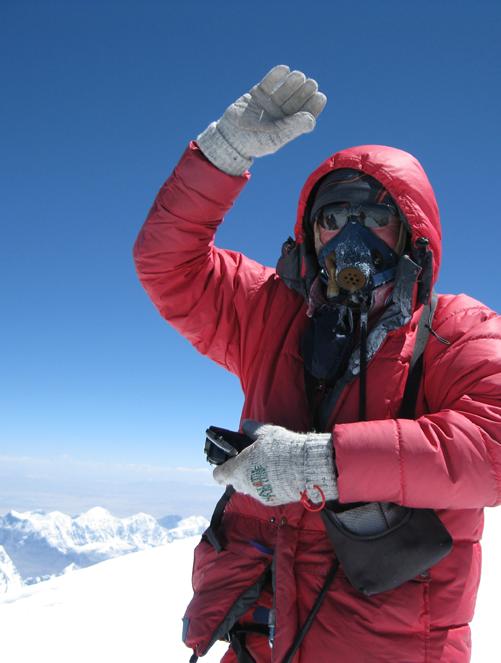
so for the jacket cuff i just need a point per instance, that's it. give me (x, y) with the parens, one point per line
(221, 153)
(369, 462)
(198, 186)
(319, 466)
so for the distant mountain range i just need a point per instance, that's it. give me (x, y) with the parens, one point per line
(35, 545)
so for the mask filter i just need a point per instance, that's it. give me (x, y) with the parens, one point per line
(355, 262)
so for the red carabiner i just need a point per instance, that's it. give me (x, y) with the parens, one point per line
(308, 504)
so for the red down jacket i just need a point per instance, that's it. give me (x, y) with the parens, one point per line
(243, 316)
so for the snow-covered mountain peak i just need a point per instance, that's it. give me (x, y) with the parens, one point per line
(44, 544)
(95, 515)
(35, 518)
(53, 526)
(190, 526)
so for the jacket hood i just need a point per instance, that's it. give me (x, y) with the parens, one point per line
(404, 178)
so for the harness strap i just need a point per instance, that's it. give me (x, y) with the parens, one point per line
(237, 637)
(211, 533)
(408, 405)
(313, 613)
(237, 643)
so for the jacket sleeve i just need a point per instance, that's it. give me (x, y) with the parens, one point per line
(450, 458)
(204, 292)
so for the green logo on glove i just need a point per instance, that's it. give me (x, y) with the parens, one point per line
(260, 481)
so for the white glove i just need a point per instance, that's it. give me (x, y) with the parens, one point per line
(281, 107)
(280, 465)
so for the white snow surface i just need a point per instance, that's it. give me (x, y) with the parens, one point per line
(129, 609)
(10, 580)
(126, 609)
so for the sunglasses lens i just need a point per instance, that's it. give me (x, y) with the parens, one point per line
(335, 216)
(377, 216)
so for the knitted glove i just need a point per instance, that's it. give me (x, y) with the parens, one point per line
(280, 465)
(281, 107)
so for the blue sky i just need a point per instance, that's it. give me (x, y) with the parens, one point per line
(99, 99)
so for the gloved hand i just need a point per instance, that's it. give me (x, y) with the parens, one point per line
(280, 465)
(281, 107)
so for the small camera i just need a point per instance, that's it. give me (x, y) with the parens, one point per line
(222, 444)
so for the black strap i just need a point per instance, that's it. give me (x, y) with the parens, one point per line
(237, 641)
(260, 629)
(242, 653)
(408, 405)
(313, 613)
(211, 533)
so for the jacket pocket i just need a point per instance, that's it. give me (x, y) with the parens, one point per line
(226, 585)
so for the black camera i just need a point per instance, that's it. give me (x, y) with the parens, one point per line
(222, 444)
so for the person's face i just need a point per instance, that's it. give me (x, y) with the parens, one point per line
(391, 233)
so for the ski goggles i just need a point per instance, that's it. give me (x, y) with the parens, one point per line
(371, 215)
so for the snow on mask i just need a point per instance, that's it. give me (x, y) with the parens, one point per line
(355, 262)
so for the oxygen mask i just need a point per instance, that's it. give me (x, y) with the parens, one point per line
(353, 244)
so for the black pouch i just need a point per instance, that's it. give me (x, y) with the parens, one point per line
(381, 545)
(409, 544)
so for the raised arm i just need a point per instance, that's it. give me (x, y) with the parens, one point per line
(204, 292)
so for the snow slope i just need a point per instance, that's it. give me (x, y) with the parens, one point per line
(129, 609)
(10, 580)
(126, 609)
